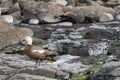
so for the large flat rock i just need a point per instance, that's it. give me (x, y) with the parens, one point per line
(9, 34)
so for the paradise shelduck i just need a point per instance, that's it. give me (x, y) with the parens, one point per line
(75, 17)
(36, 52)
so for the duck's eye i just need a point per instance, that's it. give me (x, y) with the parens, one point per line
(24, 42)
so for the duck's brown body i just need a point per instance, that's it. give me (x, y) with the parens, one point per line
(30, 51)
(76, 16)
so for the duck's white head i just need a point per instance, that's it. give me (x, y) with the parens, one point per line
(28, 39)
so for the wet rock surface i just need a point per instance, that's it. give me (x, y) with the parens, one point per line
(93, 42)
(109, 71)
(15, 66)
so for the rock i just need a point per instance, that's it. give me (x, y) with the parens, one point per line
(42, 32)
(96, 11)
(7, 18)
(16, 15)
(14, 8)
(108, 71)
(79, 2)
(99, 48)
(112, 3)
(4, 10)
(63, 24)
(95, 26)
(46, 71)
(15, 11)
(33, 21)
(75, 35)
(50, 11)
(106, 17)
(43, 11)
(11, 35)
(117, 18)
(60, 2)
(81, 51)
(27, 15)
(26, 76)
(87, 3)
(43, 0)
(99, 34)
(60, 31)
(101, 2)
(116, 73)
(2, 77)
(41, 71)
(72, 42)
(19, 65)
(111, 58)
(117, 9)
(67, 8)
(93, 3)
(16, 21)
(0, 12)
(6, 3)
(71, 64)
(114, 48)
(28, 4)
(4, 70)
(71, 2)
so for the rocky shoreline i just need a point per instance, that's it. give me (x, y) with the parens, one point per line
(87, 50)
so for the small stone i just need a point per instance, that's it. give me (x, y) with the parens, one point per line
(60, 31)
(63, 24)
(4, 10)
(117, 17)
(117, 9)
(60, 2)
(33, 21)
(7, 18)
(111, 58)
(75, 35)
(106, 17)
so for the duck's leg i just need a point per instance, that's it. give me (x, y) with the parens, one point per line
(39, 62)
(36, 64)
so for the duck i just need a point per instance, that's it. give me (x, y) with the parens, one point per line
(76, 17)
(37, 53)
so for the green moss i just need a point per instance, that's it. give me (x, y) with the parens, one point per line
(94, 68)
(85, 75)
(81, 77)
(39, 41)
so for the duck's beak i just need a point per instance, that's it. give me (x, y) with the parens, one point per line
(23, 42)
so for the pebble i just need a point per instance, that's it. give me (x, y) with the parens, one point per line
(33, 21)
(7, 18)
(106, 17)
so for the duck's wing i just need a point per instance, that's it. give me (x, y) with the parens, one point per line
(41, 50)
(42, 53)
